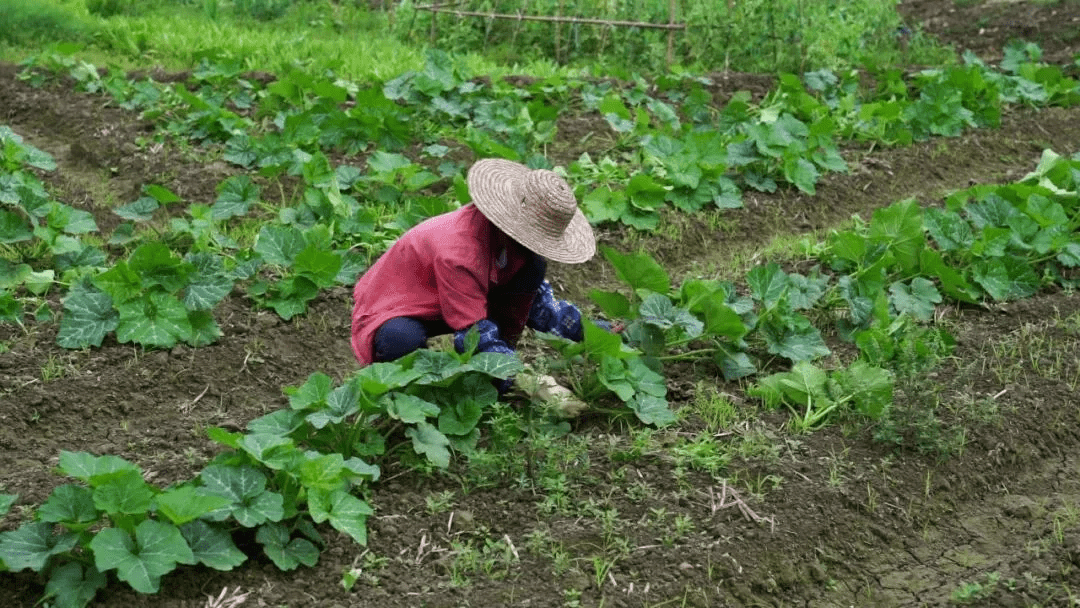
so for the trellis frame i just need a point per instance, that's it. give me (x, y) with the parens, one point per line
(671, 26)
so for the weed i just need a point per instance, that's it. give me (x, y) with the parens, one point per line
(439, 502)
(974, 591)
(54, 368)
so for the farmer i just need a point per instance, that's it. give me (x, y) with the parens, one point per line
(481, 266)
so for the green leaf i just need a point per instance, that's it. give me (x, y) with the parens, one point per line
(436, 367)
(659, 310)
(318, 265)
(279, 245)
(345, 512)
(71, 586)
(209, 284)
(120, 282)
(6, 500)
(379, 378)
(14, 228)
(204, 329)
(802, 173)
(1006, 278)
(645, 193)
(948, 229)
(187, 503)
(640, 271)
(410, 409)
(313, 393)
(280, 423)
(734, 364)
(88, 317)
(614, 305)
(237, 483)
(496, 365)
(32, 544)
(870, 388)
(899, 227)
(427, 440)
(342, 402)
(156, 265)
(286, 553)
(93, 469)
(917, 299)
(612, 374)
(158, 320)
(141, 210)
(123, 492)
(212, 546)
(768, 283)
(272, 450)
(652, 410)
(1070, 255)
(795, 338)
(70, 505)
(952, 282)
(155, 551)
(161, 193)
(235, 196)
(804, 292)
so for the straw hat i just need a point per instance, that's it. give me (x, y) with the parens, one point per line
(535, 207)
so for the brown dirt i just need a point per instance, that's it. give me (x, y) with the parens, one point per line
(849, 520)
(986, 26)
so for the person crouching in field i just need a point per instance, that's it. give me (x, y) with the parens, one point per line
(481, 266)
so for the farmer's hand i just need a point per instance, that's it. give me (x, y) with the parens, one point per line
(616, 327)
(547, 390)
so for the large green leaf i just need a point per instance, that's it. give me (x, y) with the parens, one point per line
(212, 546)
(88, 317)
(158, 320)
(768, 283)
(279, 244)
(312, 394)
(640, 271)
(14, 228)
(32, 544)
(209, 284)
(916, 299)
(652, 410)
(156, 550)
(496, 365)
(286, 553)
(123, 492)
(427, 440)
(157, 265)
(71, 505)
(318, 265)
(187, 503)
(410, 409)
(899, 228)
(93, 469)
(345, 512)
(235, 196)
(378, 378)
(72, 586)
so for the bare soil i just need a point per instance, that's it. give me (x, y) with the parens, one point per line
(832, 518)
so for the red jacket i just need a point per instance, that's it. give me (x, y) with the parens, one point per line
(444, 268)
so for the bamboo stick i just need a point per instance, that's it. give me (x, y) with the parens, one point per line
(435, 8)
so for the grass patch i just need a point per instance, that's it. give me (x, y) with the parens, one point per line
(27, 23)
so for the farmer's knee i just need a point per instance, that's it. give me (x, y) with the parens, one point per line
(398, 337)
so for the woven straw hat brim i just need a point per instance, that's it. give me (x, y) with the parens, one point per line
(498, 189)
